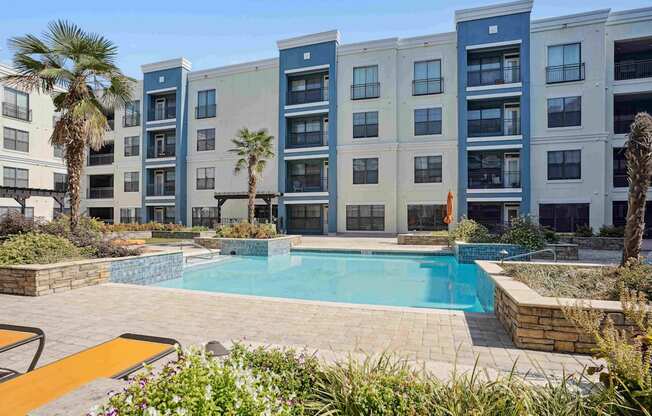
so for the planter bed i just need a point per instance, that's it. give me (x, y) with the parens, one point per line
(595, 243)
(538, 322)
(425, 239)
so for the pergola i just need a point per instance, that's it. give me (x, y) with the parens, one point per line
(20, 195)
(222, 197)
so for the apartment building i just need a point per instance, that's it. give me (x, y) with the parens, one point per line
(512, 115)
(27, 159)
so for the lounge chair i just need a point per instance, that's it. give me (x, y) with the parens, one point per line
(14, 336)
(117, 358)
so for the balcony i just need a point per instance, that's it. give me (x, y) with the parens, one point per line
(633, 59)
(100, 193)
(564, 73)
(17, 112)
(307, 183)
(131, 120)
(97, 159)
(206, 111)
(311, 95)
(167, 113)
(626, 106)
(494, 127)
(365, 91)
(494, 76)
(157, 152)
(494, 178)
(307, 139)
(427, 86)
(165, 189)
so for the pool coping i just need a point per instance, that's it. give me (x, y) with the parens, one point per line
(411, 252)
(363, 306)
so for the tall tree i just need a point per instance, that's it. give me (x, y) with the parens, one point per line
(639, 171)
(253, 148)
(78, 69)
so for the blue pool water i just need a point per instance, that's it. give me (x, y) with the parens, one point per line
(395, 280)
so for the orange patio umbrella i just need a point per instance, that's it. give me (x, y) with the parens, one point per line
(449, 208)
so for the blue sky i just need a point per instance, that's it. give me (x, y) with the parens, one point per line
(220, 32)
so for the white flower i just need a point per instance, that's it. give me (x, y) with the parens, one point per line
(176, 399)
(181, 411)
(151, 412)
(94, 410)
(209, 392)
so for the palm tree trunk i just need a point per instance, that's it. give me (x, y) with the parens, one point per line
(252, 193)
(75, 152)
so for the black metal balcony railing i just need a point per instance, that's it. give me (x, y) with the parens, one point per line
(633, 69)
(494, 127)
(428, 86)
(206, 111)
(622, 123)
(564, 73)
(312, 95)
(496, 76)
(494, 179)
(16, 111)
(61, 187)
(100, 193)
(427, 127)
(166, 189)
(307, 139)
(364, 91)
(131, 120)
(168, 150)
(100, 159)
(307, 183)
(365, 130)
(164, 113)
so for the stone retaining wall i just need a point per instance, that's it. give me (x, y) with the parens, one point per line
(186, 235)
(596, 243)
(469, 252)
(209, 243)
(45, 279)
(422, 240)
(537, 322)
(562, 250)
(130, 235)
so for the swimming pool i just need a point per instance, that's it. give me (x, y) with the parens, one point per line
(379, 279)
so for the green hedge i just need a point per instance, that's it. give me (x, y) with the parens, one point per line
(34, 248)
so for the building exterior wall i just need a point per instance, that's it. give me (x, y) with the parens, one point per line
(255, 95)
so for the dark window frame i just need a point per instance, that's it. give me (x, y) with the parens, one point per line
(366, 129)
(565, 217)
(206, 104)
(205, 182)
(131, 149)
(367, 175)
(572, 118)
(372, 222)
(15, 179)
(207, 142)
(370, 88)
(566, 169)
(432, 124)
(18, 145)
(428, 85)
(205, 216)
(421, 217)
(131, 185)
(432, 173)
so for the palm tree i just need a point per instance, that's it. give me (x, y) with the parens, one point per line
(639, 171)
(253, 148)
(78, 69)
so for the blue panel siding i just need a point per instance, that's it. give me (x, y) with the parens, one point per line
(513, 27)
(320, 54)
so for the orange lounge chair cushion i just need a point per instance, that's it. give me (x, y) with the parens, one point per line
(9, 337)
(36, 388)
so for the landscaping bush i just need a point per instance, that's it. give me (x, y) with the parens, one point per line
(470, 231)
(16, 223)
(612, 231)
(36, 248)
(525, 232)
(282, 382)
(550, 235)
(246, 230)
(583, 230)
(149, 226)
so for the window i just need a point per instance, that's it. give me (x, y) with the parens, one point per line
(58, 150)
(427, 77)
(206, 104)
(29, 211)
(484, 121)
(565, 164)
(620, 168)
(426, 217)
(365, 83)
(564, 63)
(564, 112)
(619, 216)
(564, 218)
(306, 132)
(130, 216)
(16, 139)
(16, 105)
(60, 182)
(16, 177)
(365, 217)
(205, 140)
(365, 171)
(427, 121)
(205, 216)
(205, 178)
(365, 124)
(132, 181)
(132, 146)
(132, 114)
(427, 169)
(305, 218)
(484, 70)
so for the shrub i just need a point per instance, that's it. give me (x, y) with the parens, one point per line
(470, 231)
(149, 226)
(583, 230)
(611, 231)
(525, 232)
(550, 235)
(246, 230)
(35, 248)
(16, 223)
(635, 275)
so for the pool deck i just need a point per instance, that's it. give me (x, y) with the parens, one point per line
(353, 243)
